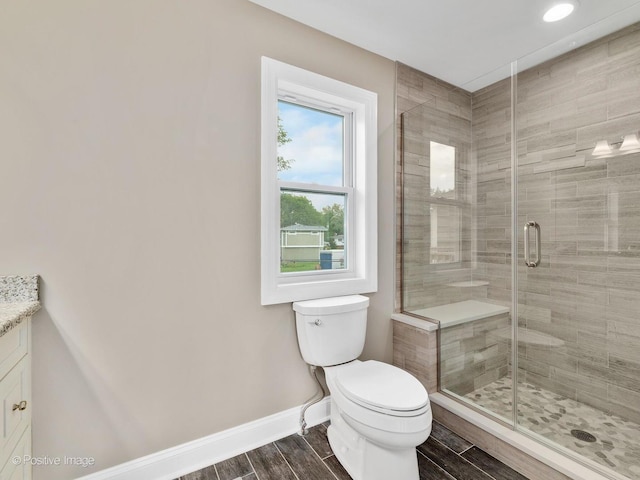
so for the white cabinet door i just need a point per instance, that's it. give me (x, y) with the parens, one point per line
(16, 468)
(15, 402)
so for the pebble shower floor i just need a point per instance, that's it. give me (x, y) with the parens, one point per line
(553, 416)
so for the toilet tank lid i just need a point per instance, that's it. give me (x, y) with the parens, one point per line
(332, 305)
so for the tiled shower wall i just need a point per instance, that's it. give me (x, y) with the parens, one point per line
(587, 289)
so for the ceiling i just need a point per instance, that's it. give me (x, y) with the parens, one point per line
(468, 43)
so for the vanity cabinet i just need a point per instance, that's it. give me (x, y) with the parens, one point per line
(15, 401)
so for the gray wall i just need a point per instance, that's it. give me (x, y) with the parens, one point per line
(130, 145)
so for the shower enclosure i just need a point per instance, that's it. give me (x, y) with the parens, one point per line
(521, 238)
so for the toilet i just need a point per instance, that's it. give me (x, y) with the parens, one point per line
(379, 413)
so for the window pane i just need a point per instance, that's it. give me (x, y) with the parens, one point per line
(445, 234)
(310, 145)
(312, 231)
(442, 172)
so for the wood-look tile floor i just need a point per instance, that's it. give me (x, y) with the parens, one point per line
(444, 456)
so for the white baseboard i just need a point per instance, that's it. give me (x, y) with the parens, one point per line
(176, 461)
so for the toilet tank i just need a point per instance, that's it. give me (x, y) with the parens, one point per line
(331, 330)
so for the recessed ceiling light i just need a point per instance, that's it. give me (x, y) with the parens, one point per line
(558, 12)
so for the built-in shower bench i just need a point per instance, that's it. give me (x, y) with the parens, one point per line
(461, 312)
(475, 342)
(466, 341)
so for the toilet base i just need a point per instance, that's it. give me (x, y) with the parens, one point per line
(364, 460)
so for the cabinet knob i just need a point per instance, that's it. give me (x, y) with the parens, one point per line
(20, 406)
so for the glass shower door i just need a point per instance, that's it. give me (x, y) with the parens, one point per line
(578, 213)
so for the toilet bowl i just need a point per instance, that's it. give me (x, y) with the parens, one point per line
(379, 413)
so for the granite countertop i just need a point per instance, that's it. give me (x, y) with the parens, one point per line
(18, 300)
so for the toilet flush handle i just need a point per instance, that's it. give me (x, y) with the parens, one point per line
(318, 322)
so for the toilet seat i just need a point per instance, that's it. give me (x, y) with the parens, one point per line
(382, 388)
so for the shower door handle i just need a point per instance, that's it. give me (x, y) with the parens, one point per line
(527, 254)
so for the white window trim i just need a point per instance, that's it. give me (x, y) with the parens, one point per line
(280, 81)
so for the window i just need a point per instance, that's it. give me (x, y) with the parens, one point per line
(312, 155)
(319, 163)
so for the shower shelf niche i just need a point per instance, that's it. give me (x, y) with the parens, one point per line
(531, 338)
